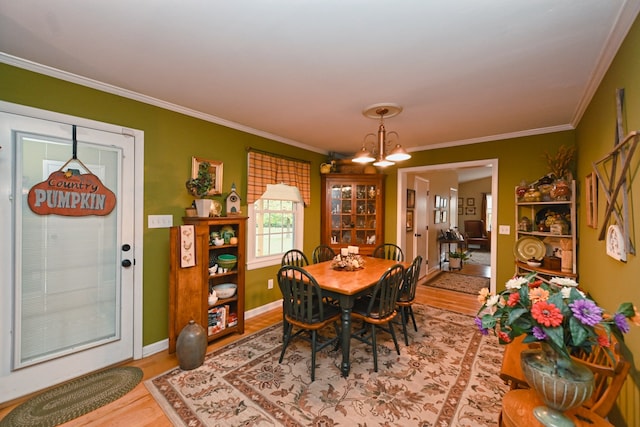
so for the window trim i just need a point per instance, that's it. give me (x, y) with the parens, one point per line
(254, 263)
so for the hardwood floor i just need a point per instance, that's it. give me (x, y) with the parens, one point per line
(138, 407)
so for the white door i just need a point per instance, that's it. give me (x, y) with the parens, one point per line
(67, 282)
(421, 233)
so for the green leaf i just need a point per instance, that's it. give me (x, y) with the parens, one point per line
(626, 308)
(579, 332)
(556, 336)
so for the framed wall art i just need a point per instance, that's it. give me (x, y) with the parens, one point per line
(411, 199)
(215, 169)
(471, 201)
(410, 220)
(470, 210)
(460, 210)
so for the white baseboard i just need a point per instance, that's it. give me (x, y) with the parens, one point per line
(159, 346)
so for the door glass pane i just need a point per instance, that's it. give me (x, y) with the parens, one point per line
(68, 276)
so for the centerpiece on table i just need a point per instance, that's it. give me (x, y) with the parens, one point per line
(563, 320)
(348, 260)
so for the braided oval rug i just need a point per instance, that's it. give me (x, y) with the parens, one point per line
(75, 398)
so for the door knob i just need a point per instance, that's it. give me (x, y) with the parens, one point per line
(418, 235)
(126, 263)
(126, 247)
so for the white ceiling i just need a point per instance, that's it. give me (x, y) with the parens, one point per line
(302, 71)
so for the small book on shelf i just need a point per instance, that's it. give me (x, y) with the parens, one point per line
(217, 319)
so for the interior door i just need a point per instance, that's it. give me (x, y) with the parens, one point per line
(66, 290)
(421, 234)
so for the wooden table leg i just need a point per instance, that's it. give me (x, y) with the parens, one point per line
(346, 304)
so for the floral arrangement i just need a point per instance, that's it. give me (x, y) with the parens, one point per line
(557, 313)
(349, 262)
(560, 164)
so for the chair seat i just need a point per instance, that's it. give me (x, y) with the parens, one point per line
(360, 311)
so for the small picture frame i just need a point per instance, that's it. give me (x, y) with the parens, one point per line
(411, 199)
(591, 198)
(443, 218)
(436, 202)
(215, 168)
(471, 201)
(436, 217)
(460, 201)
(460, 210)
(470, 210)
(443, 202)
(409, 220)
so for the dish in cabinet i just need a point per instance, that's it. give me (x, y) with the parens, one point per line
(528, 247)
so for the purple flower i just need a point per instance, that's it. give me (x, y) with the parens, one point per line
(621, 322)
(539, 333)
(586, 311)
(478, 321)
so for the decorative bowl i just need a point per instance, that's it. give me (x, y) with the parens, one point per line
(227, 261)
(534, 263)
(225, 290)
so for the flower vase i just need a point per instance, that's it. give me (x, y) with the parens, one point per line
(561, 383)
(203, 206)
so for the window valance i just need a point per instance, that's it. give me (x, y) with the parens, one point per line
(266, 168)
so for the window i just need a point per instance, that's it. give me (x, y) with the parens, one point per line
(275, 226)
(488, 212)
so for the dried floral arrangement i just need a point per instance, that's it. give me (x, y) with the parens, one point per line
(560, 164)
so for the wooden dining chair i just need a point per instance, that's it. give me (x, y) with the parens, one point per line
(407, 296)
(388, 251)
(294, 257)
(304, 308)
(378, 310)
(322, 253)
(609, 368)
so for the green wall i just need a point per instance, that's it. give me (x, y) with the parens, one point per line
(609, 281)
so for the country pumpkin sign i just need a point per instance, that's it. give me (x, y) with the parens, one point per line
(68, 194)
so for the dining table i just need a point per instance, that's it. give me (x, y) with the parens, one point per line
(346, 286)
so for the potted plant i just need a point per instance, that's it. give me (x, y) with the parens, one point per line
(200, 187)
(456, 258)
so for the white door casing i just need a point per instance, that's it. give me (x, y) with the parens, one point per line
(18, 379)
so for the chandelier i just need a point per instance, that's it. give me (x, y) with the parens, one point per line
(378, 154)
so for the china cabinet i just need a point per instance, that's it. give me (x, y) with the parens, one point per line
(546, 240)
(352, 211)
(217, 241)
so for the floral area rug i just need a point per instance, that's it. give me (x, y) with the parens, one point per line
(459, 282)
(447, 376)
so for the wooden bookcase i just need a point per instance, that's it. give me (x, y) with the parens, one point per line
(189, 287)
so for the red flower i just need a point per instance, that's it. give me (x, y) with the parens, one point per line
(535, 283)
(504, 336)
(603, 341)
(546, 314)
(514, 298)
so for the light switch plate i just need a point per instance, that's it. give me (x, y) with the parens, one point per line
(160, 221)
(504, 229)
